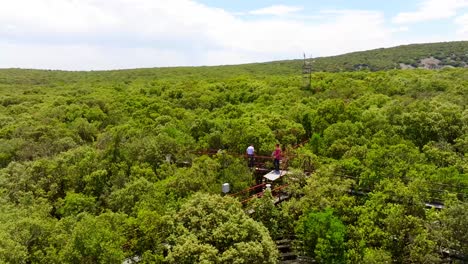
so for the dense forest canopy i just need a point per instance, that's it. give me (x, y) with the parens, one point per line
(102, 167)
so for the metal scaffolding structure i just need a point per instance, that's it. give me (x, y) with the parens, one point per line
(307, 73)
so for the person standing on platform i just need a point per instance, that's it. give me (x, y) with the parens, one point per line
(250, 155)
(277, 156)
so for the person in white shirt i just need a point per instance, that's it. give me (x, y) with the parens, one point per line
(250, 155)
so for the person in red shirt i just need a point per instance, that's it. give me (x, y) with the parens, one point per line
(277, 156)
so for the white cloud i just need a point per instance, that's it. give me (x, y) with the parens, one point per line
(276, 10)
(462, 23)
(401, 29)
(431, 10)
(56, 15)
(100, 34)
(85, 57)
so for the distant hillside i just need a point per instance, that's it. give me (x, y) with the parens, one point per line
(433, 55)
(429, 56)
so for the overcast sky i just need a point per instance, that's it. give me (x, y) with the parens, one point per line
(117, 34)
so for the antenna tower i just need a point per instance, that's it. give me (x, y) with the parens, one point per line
(307, 72)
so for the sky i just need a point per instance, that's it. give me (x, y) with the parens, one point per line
(122, 34)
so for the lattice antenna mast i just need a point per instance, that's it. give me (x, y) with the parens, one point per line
(307, 72)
